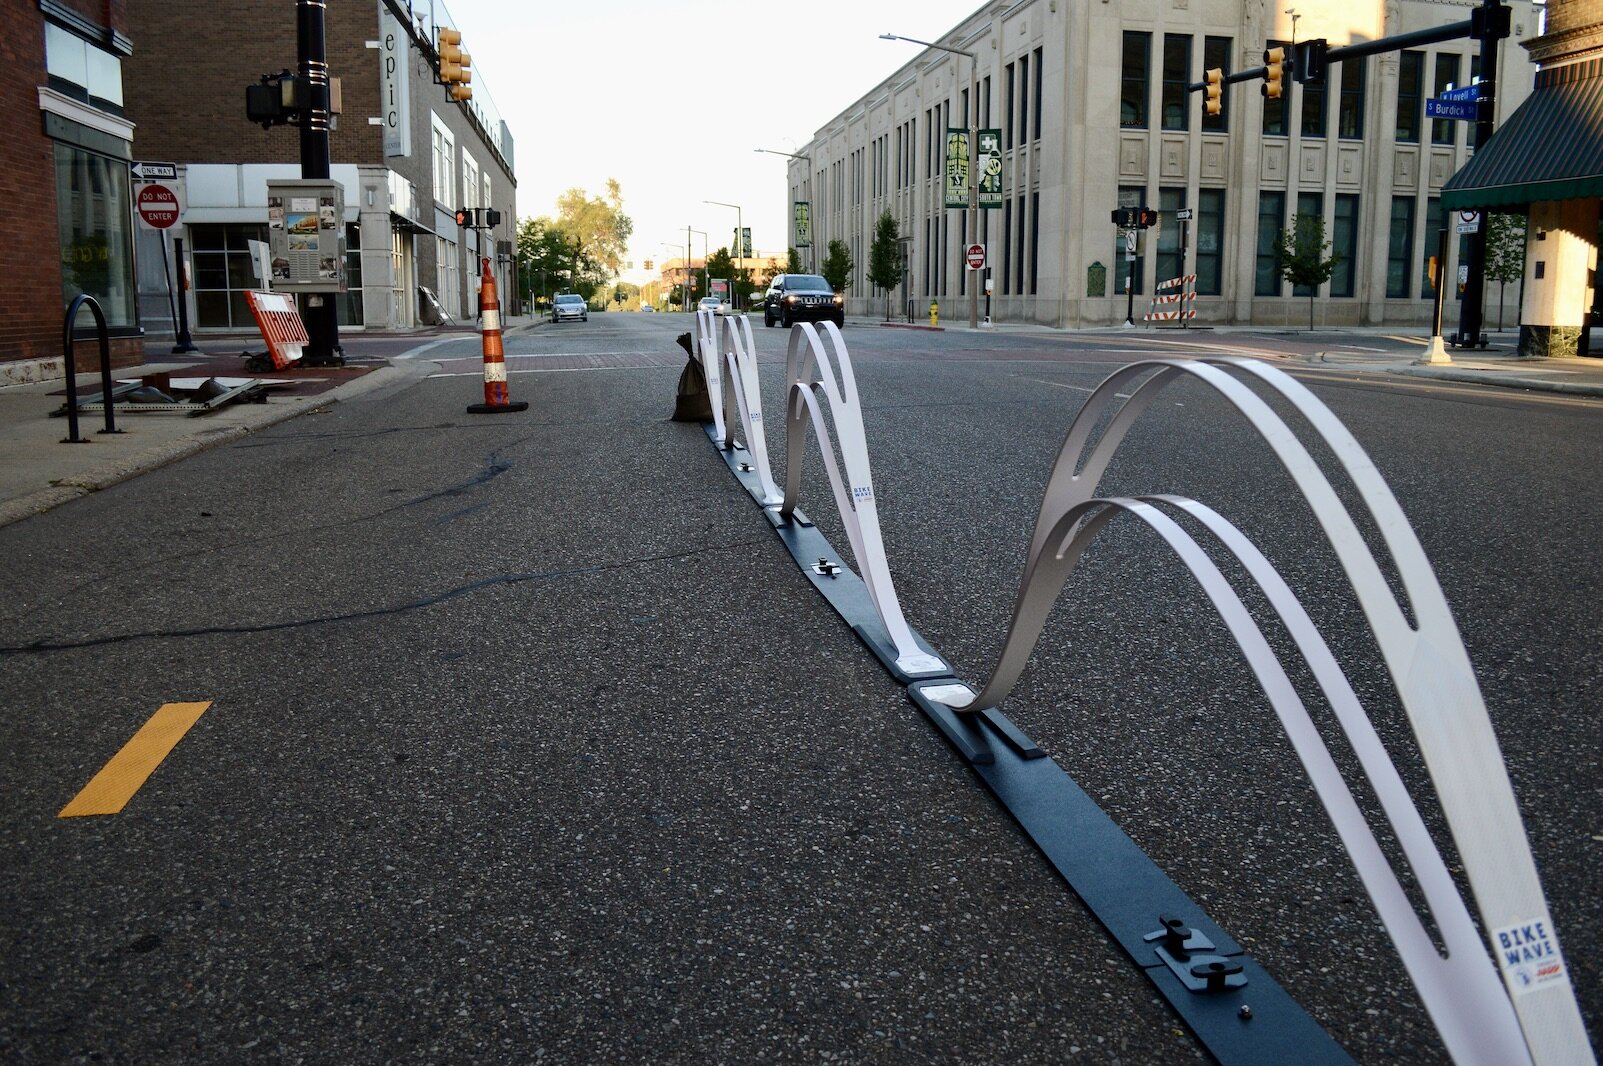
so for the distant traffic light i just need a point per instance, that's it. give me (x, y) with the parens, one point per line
(1274, 75)
(648, 264)
(1213, 101)
(454, 64)
(1135, 217)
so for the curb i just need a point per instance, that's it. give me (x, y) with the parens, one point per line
(204, 439)
(70, 489)
(1497, 379)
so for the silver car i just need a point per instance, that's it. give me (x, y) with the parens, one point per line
(569, 305)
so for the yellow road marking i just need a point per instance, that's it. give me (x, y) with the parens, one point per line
(109, 791)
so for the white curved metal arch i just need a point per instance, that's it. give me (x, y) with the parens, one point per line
(811, 371)
(1461, 992)
(705, 340)
(1428, 665)
(740, 361)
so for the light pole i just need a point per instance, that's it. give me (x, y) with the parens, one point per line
(704, 279)
(740, 247)
(807, 190)
(973, 158)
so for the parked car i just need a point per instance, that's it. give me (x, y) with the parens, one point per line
(569, 305)
(795, 297)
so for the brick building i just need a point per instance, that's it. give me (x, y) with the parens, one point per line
(407, 156)
(66, 180)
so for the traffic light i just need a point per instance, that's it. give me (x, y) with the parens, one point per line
(1309, 61)
(1146, 218)
(648, 264)
(1213, 102)
(454, 64)
(492, 217)
(275, 99)
(1274, 73)
(464, 216)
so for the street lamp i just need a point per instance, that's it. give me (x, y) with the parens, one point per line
(807, 188)
(705, 282)
(973, 152)
(740, 246)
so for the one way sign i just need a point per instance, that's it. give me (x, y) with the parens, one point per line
(154, 171)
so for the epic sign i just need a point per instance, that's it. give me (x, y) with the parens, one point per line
(393, 95)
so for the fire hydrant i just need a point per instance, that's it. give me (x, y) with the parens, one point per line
(935, 313)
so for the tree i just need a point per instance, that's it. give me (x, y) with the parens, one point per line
(885, 258)
(544, 261)
(597, 234)
(1505, 253)
(1300, 255)
(793, 263)
(837, 268)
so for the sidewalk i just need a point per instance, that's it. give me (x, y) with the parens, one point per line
(38, 471)
(1576, 377)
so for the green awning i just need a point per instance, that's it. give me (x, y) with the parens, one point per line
(1551, 147)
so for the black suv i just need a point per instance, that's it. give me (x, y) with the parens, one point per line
(793, 297)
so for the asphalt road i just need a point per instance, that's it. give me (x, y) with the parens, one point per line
(527, 741)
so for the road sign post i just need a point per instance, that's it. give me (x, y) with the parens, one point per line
(159, 206)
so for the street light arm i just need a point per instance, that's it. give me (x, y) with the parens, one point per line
(926, 44)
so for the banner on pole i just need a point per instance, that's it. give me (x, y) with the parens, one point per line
(957, 168)
(989, 161)
(804, 224)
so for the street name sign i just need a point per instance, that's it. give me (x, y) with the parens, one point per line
(1440, 107)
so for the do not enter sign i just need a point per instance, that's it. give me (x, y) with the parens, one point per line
(974, 255)
(157, 206)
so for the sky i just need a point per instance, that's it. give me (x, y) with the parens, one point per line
(672, 98)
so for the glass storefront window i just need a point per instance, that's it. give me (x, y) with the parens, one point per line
(94, 212)
(220, 258)
(350, 301)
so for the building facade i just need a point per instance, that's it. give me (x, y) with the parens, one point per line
(68, 145)
(1546, 163)
(1092, 105)
(407, 156)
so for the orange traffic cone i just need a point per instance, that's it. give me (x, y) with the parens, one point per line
(496, 398)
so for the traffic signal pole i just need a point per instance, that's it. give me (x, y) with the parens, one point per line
(322, 319)
(1470, 312)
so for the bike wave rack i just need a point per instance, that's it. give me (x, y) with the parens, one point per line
(1530, 1015)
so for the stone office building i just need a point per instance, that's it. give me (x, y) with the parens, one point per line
(407, 156)
(1090, 98)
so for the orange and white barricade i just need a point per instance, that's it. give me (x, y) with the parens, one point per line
(280, 324)
(496, 396)
(1188, 293)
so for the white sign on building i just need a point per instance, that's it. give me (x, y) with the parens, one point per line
(394, 45)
